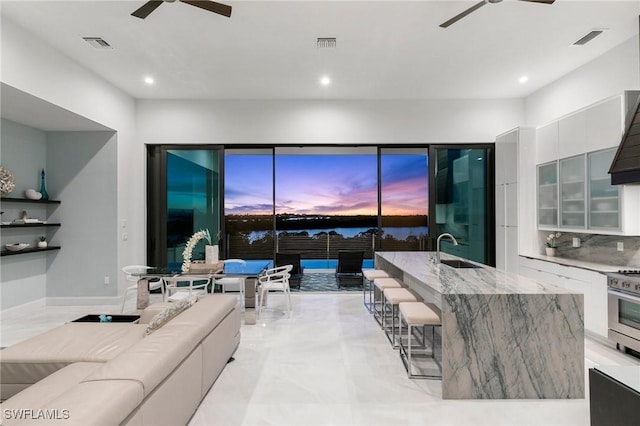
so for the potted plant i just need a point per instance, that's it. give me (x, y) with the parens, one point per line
(43, 242)
(551, 243)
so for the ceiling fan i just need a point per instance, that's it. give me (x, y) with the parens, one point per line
(211, 6)
(479, 5)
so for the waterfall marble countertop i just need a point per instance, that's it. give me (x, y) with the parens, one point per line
(445, 279)
(504, 336)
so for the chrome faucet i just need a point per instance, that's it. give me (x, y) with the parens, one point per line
(448, 235)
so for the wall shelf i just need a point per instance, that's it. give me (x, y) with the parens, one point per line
(28, 225)
(27, 200)
(28, 250)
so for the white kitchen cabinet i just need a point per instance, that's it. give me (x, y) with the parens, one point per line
(585, 200)
(548, 195)
(501, 254)
(590, 283)
(572, 134)
(511, 211)
(604, 198)
(573, 192)
(605, 124)
(547, 143)
(507, 152)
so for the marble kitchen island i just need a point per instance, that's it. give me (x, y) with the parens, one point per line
(503, 335)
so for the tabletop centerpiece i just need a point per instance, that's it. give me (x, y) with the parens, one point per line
(188, 249)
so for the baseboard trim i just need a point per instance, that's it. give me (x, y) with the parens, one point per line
(83, 301)
(599, 339)
(18, 309)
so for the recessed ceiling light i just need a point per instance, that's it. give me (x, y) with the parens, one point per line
(325, 80)
(149, 80)
(523, 79)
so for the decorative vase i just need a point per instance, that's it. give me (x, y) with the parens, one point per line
(43, 189)
(42, 244)
(211, 254)
(551, 251)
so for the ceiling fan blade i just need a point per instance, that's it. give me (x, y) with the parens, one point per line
(463, 14)
(540, 1)
(147, 8)
(211, 6)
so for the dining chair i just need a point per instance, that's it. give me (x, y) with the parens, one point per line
(275, 279)
(195, 285)
(231, 283)
(129, 270)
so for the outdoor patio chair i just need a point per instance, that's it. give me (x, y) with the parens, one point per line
(349, 268)
(293, 259)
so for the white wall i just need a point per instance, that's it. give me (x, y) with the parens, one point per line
(32, 66)
(23, 278)
(82, 175)
(605, 76)
(311, 122)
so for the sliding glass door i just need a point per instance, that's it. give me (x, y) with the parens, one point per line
(316, 201)
(463, 200)
(404, 199)
(248, 203)
(184, 188)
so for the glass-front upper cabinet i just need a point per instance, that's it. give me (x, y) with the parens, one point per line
(604, 198)
(572, 192)
(548, 194)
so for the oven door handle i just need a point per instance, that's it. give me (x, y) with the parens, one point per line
(625, 296)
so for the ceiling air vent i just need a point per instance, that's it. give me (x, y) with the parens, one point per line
(588, 37)
(327, 42)
(97, 42)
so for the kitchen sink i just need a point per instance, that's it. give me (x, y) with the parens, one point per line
(455, 263)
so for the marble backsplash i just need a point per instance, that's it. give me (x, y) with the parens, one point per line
(596, 248)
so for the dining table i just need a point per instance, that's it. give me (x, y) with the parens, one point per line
(249, 270)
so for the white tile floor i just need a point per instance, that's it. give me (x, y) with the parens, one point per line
(330, 364)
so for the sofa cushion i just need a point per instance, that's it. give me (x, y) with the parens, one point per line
(31, 360)
(151, 360)
(86, 404)
(51, 386)
(167, 314)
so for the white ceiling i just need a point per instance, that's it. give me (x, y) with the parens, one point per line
(385, 49)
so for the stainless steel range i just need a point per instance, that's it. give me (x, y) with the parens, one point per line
(624, 308)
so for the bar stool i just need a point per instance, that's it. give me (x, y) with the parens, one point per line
(379, 284)
(418, 314)
(370, 275)
(393, 297)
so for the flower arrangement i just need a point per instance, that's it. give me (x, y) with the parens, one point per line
(551, 239)
(188, 249)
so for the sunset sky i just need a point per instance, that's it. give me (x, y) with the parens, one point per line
(326, 184)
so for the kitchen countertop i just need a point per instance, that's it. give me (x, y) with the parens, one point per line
(628, 375)
(596, 267)
(503, 335)
(445, 279)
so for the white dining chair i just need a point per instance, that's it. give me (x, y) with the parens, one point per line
(129, 270)
(275, 279)
(196, 285)
(232, 283)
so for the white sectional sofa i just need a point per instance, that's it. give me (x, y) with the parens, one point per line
(111, 374)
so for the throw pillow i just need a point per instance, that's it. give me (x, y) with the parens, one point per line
(166, 315)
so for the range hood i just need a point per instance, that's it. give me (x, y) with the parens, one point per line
(625, 167)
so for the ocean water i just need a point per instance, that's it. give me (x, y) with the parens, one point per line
(400, 233)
